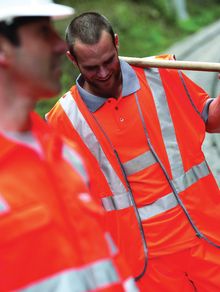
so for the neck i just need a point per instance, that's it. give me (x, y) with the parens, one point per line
(114, 92)
(15, 113)
(15, 105)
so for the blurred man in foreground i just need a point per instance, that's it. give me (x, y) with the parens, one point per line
(50, 236)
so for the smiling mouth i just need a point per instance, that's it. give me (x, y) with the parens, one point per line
(104, 79)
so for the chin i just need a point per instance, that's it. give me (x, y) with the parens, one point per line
(55, 88)
(49, 93)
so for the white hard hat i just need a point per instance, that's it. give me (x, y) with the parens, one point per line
(10, 9)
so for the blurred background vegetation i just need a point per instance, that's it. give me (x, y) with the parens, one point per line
(145, 27)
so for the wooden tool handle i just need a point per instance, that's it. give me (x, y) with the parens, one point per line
(183, 65)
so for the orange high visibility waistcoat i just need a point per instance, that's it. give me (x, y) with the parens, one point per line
(50, 236)
(157, 188)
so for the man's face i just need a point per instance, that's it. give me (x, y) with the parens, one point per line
(35, 66)
(100, 67)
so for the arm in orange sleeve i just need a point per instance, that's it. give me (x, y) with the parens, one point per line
(213, 123)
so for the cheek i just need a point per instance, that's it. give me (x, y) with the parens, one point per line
(36, 63)
(89, 75)
(115, 68)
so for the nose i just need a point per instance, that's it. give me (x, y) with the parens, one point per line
(103, 72)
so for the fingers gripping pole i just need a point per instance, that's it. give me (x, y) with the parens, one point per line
(172, 64)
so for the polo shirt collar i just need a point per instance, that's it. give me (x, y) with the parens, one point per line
(130, 84)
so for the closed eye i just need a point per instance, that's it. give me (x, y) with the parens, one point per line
(109, 61)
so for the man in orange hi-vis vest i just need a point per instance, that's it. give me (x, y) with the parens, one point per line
(51, 238)
(145, 128)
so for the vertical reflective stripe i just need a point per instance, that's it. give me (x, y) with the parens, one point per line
(139, 163)
(166, 123)
(111, 244)
(92, 277)
(74, 159)
(83, 129)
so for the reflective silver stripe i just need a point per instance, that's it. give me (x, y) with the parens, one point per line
(118, 202)
(25, 138)
(130, 286)
(75, 160)
(166, 202)
(111, 244)
(181, 179)
(83, 129)
(169, 201)
(89, 278)
(166, 123)
(191, 176)
(139, 163)
(163, 204)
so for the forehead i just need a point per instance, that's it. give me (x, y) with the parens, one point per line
(102, 49)
(35, 25)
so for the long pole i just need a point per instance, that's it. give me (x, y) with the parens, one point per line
(183, 65)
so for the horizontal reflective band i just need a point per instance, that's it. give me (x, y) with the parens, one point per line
(130, 286)
(191, 176)
(28, 139)
(161, 205)
(139, 163)
(118, 202)
(90, 278)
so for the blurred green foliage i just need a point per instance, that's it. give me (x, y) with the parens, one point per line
(145, 27)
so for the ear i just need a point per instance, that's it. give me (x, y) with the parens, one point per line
(116, 41)
(4, 49)
(71, 58)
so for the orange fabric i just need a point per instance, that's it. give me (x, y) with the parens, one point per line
(48, 226)
(115, 222)
(194, 269)
(170, 232)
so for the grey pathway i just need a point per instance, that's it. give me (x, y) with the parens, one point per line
(204, 46)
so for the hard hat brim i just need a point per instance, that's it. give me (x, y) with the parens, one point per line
(55, 11)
